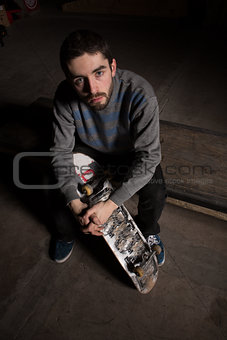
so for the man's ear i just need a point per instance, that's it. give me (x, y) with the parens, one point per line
(113, 67)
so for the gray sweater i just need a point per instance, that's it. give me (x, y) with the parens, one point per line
(130, 122)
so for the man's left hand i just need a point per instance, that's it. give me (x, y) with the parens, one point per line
(96, 216)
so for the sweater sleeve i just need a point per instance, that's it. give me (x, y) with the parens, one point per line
(145, 137)
(63, 144)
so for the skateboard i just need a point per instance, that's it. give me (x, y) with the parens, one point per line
(120, 231)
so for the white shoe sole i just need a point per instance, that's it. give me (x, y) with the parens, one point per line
(65, 258)
(164, 258)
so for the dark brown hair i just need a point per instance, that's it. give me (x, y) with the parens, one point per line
(83, 41)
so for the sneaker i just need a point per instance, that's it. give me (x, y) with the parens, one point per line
(63, 250)
(155, 239)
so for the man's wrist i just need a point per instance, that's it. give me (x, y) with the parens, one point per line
(76, 206)
(72, 203)
(111, 204)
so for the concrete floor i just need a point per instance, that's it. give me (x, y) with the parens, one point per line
(90, 296)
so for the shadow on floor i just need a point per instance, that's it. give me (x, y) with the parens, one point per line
(29, 130)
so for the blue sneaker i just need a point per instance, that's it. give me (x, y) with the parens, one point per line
(155, 239)
(63, 250)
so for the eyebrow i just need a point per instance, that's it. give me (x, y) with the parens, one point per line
(101, 67)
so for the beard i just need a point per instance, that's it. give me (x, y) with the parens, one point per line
(98, 106)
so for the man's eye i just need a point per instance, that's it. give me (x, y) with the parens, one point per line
(78, 81)
(99, 73)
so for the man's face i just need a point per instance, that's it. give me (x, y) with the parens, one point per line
(91, 77)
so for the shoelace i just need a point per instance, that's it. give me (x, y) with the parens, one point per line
(152, 240)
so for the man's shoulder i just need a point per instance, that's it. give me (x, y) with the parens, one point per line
(65, 91)
(136, 82)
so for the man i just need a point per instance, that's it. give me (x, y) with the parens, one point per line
(111, 115)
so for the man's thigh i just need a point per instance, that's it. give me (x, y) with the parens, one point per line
(153, 194)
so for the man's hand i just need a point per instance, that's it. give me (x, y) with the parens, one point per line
(96, 216)
(77, 207)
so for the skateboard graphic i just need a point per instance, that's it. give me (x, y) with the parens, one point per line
(120, 231)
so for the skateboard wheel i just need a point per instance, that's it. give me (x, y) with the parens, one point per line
(87, 189)
(157, 249)
(139, 271)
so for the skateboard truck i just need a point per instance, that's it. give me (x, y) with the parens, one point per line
(136, 265)
(96, 190)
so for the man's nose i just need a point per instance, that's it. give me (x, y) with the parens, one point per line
(91, 86)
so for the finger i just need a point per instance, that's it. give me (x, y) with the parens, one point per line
(95, 219)
(94, 226)
(86, 218)
(94, 233)
(84, 206)
(97, 233)
(94, 229)
(90, 228)
(80, 219)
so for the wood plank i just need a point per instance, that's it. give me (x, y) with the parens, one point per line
(194, 163)
(203, 210)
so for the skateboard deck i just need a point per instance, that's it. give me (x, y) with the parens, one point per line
(120, 231)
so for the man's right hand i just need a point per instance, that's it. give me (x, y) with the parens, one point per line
(77, 207)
